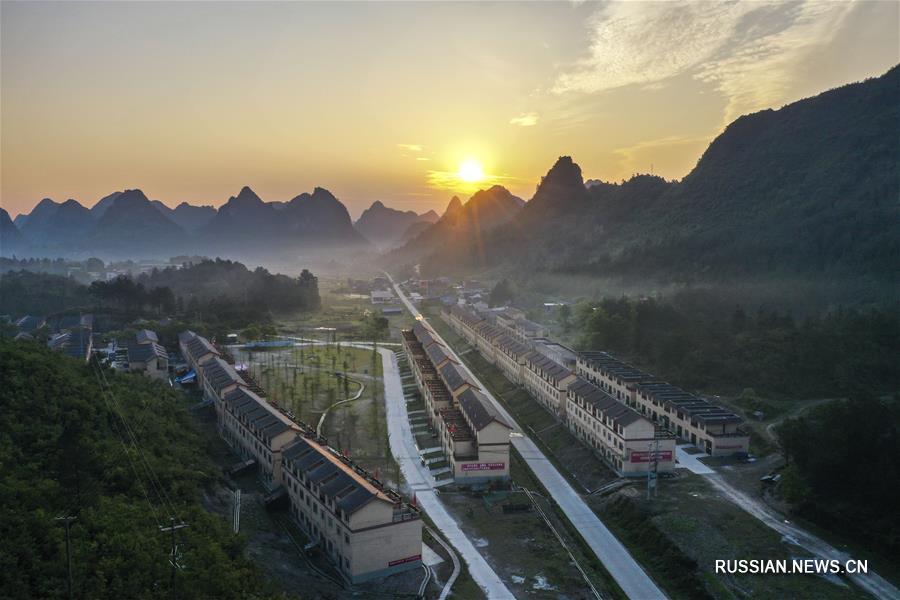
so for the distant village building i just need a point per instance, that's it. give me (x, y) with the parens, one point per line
(382, 296)
(76, 342)
(146, 355)
(30, 323)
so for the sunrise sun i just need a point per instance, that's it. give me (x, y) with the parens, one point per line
(470, 171)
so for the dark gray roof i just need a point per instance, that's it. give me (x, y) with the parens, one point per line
(479, 410)
(74, 342)
(220, 374)
(665, 394)
(603, 402)
(546, 366)
(512, 346)
(437, 354)
(198, 347)
(145, 336)
(145, 352)
(424, 335)
(257, 415)
(668, 395)
(349, 490)
(30, 323)
(465, 315)
(604, 361)
(454, 377)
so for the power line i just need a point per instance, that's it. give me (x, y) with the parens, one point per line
(128, 455)
(154, 480)
(66, 521)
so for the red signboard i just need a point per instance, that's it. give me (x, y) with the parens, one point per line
(484, 466)
(408, 559)
(642, 457)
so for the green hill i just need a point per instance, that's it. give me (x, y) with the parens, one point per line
(65, 450)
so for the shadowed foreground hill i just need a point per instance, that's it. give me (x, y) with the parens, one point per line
(64, 451)
(811, 189)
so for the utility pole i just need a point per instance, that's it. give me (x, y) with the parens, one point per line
(174, 562)
(67, 520)
(236, 511)
(652, 471)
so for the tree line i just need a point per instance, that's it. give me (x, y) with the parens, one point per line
(64, 453)
(842, 469)
(839, 353)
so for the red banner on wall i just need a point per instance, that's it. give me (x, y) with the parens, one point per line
(642, 457)
(484, 466)
(408, 559)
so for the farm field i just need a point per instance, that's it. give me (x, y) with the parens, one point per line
(308, 379)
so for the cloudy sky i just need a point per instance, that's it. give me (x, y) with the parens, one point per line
(384, 101)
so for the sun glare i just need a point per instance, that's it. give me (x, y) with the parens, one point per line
(470, 171)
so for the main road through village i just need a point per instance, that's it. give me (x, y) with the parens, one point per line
(626, 571)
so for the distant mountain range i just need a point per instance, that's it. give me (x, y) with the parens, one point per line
(386, 227)
(129, 225)
(812, 189)
(463, 228)
(809, 189)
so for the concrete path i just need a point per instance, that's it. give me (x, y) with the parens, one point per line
(422, 484)
(691, 462)
(633, 580)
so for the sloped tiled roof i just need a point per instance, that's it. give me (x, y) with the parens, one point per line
(220, 374)
(145, 352)
(603, 403)
(145, 336)
(479, 410)
(454, 377)
(337, 479)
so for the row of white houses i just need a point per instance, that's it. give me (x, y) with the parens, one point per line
(366, 529)
(693, 419)
(472, 436)
(627, 441)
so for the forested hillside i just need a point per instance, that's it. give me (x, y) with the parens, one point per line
(695, 342)
(843, 472)
(808, 190)
(71, 446)
(225, 279)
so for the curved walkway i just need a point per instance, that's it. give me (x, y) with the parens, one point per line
(355, 396)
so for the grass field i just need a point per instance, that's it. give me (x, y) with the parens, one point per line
(307, 379)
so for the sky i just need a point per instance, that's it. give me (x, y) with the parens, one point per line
(385, 100)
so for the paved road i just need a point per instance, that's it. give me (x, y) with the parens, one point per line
(419, 479)
(871, 582)
(633, 580)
